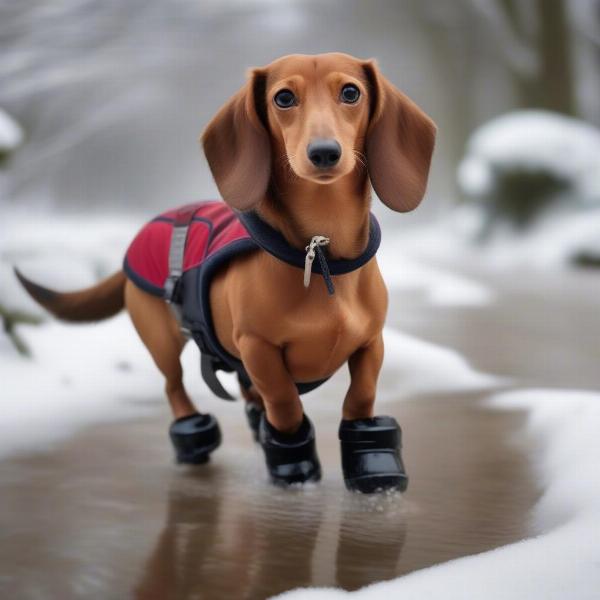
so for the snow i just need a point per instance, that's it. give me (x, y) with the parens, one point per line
(441, 287)
(11, 134)
(551, 242)
(64, 252)
(558, 564)
(450, 241)
(416, 366)
(76, 375)
(533, 140)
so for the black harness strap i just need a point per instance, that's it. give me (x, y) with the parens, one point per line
(209, 364)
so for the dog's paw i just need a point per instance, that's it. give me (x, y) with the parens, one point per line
(194, 437)
(290, 458)
(371, 459)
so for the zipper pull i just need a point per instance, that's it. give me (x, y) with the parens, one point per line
(316, 240)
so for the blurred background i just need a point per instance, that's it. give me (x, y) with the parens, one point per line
(111, 96)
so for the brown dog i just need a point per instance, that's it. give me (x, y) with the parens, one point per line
(298, 145)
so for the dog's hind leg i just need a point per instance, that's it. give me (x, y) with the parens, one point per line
(194, 435)
(254, 407)
(159, 331)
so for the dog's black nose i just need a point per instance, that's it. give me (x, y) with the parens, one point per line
(324, 153)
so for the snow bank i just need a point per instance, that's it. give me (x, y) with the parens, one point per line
(559, 564)
(63, 252)
(533, 140)
(442, 287)
(413, 366)
(449, 241)
(11, 134)
(78, 375)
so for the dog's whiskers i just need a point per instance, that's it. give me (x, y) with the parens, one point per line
(361, 159)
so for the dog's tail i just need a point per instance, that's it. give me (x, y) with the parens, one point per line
(95, 303)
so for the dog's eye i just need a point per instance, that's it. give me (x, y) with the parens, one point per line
(349, 94)
(285, 99)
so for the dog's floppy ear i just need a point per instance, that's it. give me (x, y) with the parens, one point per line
(399, 144)
(237, 146)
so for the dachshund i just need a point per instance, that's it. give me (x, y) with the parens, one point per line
(294, 154)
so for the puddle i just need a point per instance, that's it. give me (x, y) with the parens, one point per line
(107, 515)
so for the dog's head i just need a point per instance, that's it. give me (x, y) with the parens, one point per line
(322, 116)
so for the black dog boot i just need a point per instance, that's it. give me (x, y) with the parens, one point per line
(254, 413)
(194, 437)
(291, 458)
(371, 459)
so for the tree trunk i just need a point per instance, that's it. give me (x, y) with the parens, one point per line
(552, 87)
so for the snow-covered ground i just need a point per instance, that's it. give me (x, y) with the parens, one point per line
(442, 287)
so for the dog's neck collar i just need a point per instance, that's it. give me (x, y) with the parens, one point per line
(272, 241)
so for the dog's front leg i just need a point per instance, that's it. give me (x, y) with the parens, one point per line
(265, 365)
(370, 445)
(285, 433)
(364, 366)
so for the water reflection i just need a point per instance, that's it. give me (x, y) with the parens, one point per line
(184, 550)
(370, 543)
(214, 545)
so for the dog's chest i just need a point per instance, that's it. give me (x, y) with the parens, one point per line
(320, 339)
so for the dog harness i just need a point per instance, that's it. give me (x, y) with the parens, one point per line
(176, 255)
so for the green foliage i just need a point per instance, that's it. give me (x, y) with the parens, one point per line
(587, 258)
(518, 197)
(10, 320)
(522, 194)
